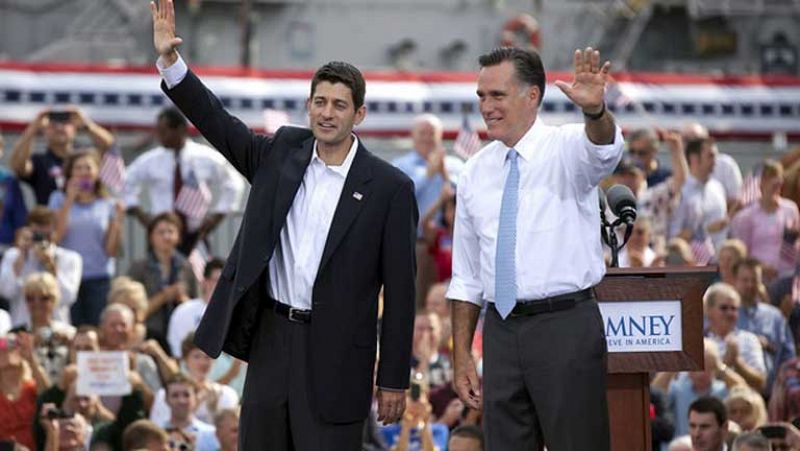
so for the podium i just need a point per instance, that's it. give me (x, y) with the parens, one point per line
(643, 311)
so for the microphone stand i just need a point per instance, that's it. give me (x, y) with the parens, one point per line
(609, 234)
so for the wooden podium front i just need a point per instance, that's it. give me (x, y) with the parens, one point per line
(628, 372)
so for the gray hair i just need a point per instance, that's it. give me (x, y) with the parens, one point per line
(122, 309)
(431, 119)
(642, 133)
(753, 440)
(720, 290)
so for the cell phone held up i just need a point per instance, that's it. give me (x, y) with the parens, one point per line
(59, 116)
(773, 431)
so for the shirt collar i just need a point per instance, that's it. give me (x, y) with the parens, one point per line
(529, 142)
(342, 169)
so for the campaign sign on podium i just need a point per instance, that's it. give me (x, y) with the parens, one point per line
(645, 326)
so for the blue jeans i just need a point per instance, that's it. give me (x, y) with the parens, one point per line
(91, 301)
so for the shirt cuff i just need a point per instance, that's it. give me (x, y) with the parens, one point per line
(395, 390)
(173, 74)
(461, 291)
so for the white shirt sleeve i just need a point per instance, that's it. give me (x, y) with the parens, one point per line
(135, 179)
(68, 273)
(465, 283)
(230, 185)
(589, 162)
(174, 74)
(10, 284)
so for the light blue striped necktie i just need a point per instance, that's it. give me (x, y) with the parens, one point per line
(505, 273)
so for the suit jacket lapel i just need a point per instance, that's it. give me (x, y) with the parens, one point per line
(291, 175)
(354, 195)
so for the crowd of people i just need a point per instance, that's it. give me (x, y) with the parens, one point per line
(62, 294)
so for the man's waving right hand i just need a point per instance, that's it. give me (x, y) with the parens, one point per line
(164, 39)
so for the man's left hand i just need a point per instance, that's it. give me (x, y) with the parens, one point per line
(588, 87)
(391, 405)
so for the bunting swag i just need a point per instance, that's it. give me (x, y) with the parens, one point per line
(131, 97)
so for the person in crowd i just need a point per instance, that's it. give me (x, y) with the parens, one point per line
(163, 171)
(436, 302)
(88, 222)
(426, 358)
(762, 319)
(270, 307)
(656, 202)
(638, 253)
(72, 433)
(187, 316)
(702, 214)
(431, 169)
(437, 231)
(731, 253)
(166, 275)
(684, 388)
(108, 435)
(678, 253)
(708, 424)
(751, 441)
(21, 379)
(746, 408)
(417, 429)
(51, 337)
(5, 322)
(13, 211)
(115, 331)
(211, 396)
(662, 423)
(740, 350)
(643, 148)
(466, 438)
(145, 435)
(226, 423)
(127, 291)
(35, 251)
(682, 443)
(783, 294)
(726, 169)
(769, 227)
(44, 171)
(181, 397)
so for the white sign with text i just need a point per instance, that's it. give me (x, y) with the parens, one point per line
(103, 373)
(646, 326)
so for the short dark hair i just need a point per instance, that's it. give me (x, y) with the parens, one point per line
(168, 217)
(747, 262)
(468, 431)
(213, 264)
(710, 404)
(172, 117)
(140, 433)
(528, 67)
(180, 378)
(344, 73)
(695, 146)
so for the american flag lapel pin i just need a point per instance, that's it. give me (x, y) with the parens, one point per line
(357, 195)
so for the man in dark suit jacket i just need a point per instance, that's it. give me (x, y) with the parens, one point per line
(327, 224)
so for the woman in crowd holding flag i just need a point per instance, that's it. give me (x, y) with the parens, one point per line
(166, 275)
(89, 222)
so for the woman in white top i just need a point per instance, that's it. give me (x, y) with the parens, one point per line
(212, 397)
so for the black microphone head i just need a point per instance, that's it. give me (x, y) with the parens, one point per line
(622, 202)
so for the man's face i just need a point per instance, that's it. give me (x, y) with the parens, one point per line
(459, 443)
(198, 363)
(770, 186)
(171, 138)
(747, 283)
(508, 107)
(228, 433)
(116, 330)
(426, 138)
(706, 434)
(727, 260)
(182, 400)
(724, 314)
(643, 151)
(706, 160)
(59, 134)
(332, 114)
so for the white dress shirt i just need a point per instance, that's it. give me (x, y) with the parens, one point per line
(295, 262)
(69, 267)
(727, 172)
(558, 246)
(701, 205)
(154, 172)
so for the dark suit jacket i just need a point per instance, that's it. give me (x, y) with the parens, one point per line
(371, 243)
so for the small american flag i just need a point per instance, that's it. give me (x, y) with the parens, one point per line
(198, 259)
(467, 142)
(112, 170)
(751, 187)
(194, 199)
(702, 250)
(275, 119)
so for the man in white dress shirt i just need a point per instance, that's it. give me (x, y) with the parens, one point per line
(544, 349)
(155, 173)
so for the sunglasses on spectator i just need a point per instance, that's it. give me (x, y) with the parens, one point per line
(638, 152)
(727, 308)
(32, 297)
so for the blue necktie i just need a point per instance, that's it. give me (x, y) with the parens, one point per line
(505, 273)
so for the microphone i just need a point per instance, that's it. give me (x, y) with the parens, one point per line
(622, 202)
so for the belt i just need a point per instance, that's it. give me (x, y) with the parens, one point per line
(551, 304)
(294, 315)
